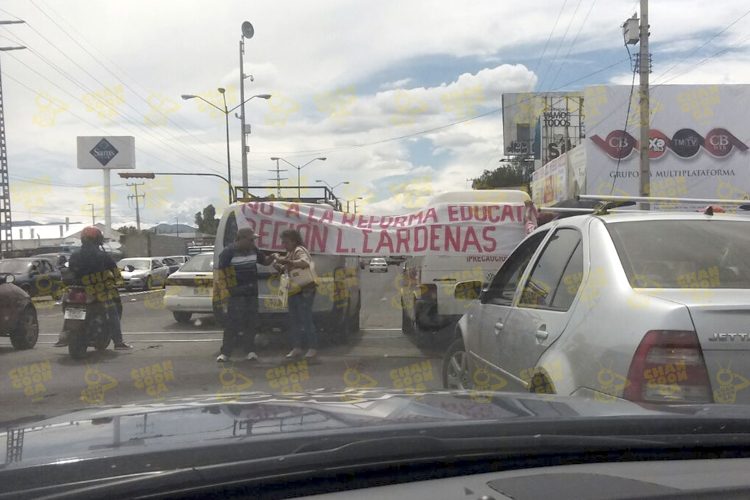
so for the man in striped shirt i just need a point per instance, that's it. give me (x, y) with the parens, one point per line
(238, 268)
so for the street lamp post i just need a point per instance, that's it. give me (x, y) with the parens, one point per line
(229, 160)
(247, 32)
(332, 187)
(299, 168)
(226, 116)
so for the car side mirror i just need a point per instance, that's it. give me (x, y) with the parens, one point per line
(468, 290)
(129, 268)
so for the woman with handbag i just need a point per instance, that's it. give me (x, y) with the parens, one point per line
(302, 281)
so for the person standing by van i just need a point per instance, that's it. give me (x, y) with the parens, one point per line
(302, 287)
(238, 272)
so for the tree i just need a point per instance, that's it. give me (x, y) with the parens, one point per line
(515, 173)
(206, 221)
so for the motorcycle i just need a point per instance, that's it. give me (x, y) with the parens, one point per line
(85, 321)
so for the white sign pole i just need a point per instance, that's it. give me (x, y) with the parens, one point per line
(107, 199)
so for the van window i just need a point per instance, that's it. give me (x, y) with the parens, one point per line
(547, 274)
(230, 229)
(504, 285)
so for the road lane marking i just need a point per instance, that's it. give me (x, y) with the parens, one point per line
(151, 341)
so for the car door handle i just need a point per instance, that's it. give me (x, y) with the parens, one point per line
(541, 334)
(498, 328)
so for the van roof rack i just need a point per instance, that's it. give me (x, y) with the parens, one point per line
(320, 194)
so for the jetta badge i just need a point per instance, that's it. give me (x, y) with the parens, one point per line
(730, 337)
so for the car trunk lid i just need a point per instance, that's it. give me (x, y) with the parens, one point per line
(722, 323)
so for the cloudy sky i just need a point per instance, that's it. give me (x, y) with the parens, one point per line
(401, 97)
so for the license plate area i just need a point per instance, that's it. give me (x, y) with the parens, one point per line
(201, 291)
(75, 313)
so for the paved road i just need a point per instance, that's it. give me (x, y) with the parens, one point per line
(171, 359)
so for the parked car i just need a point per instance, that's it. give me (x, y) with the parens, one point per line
(18, 318)
(143, 273)
(378, 265)
(190, 290)
(34, 275)
(648, 307)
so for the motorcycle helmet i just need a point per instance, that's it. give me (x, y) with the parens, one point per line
(93, 235)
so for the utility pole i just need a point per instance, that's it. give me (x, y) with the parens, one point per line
(637, 31)
(137, 197)
(93, 218)
(6, 220)
(644, 68)
(278, 178)
(247, 32)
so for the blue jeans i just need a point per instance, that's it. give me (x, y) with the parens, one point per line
(301, 325)
(113, 321)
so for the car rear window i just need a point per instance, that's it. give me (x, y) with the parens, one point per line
(684, 253)
(200, 264)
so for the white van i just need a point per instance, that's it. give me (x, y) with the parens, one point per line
(431, 304)
(337, 305)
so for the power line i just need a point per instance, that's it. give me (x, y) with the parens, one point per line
(702, 61)
(705, 44)
(559, 44)
(84, 120)
(147, 132)
(434, 129)
(546, 44)
(575, 39)
(627, 117)
(145, 100)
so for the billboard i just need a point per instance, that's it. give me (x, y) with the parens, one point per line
(563, 178)
(109, 153)
(542, 125)
(698, 141)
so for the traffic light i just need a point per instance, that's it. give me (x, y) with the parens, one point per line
(136, 175)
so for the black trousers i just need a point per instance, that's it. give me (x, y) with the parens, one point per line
(240, 328)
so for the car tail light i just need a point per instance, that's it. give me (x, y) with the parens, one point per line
(668, 367)
(428, 292)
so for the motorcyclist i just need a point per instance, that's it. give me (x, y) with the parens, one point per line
(97, 272)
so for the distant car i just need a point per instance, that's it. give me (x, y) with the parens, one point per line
(378, 265)
(175, 260)
(172, 264)
(34, 275)
(190, 290)
(57, 259)
(143, 273)
(18, 318)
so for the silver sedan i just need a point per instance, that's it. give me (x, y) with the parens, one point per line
(649, 307)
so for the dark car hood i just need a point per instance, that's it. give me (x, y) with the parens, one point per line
(201, 422)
